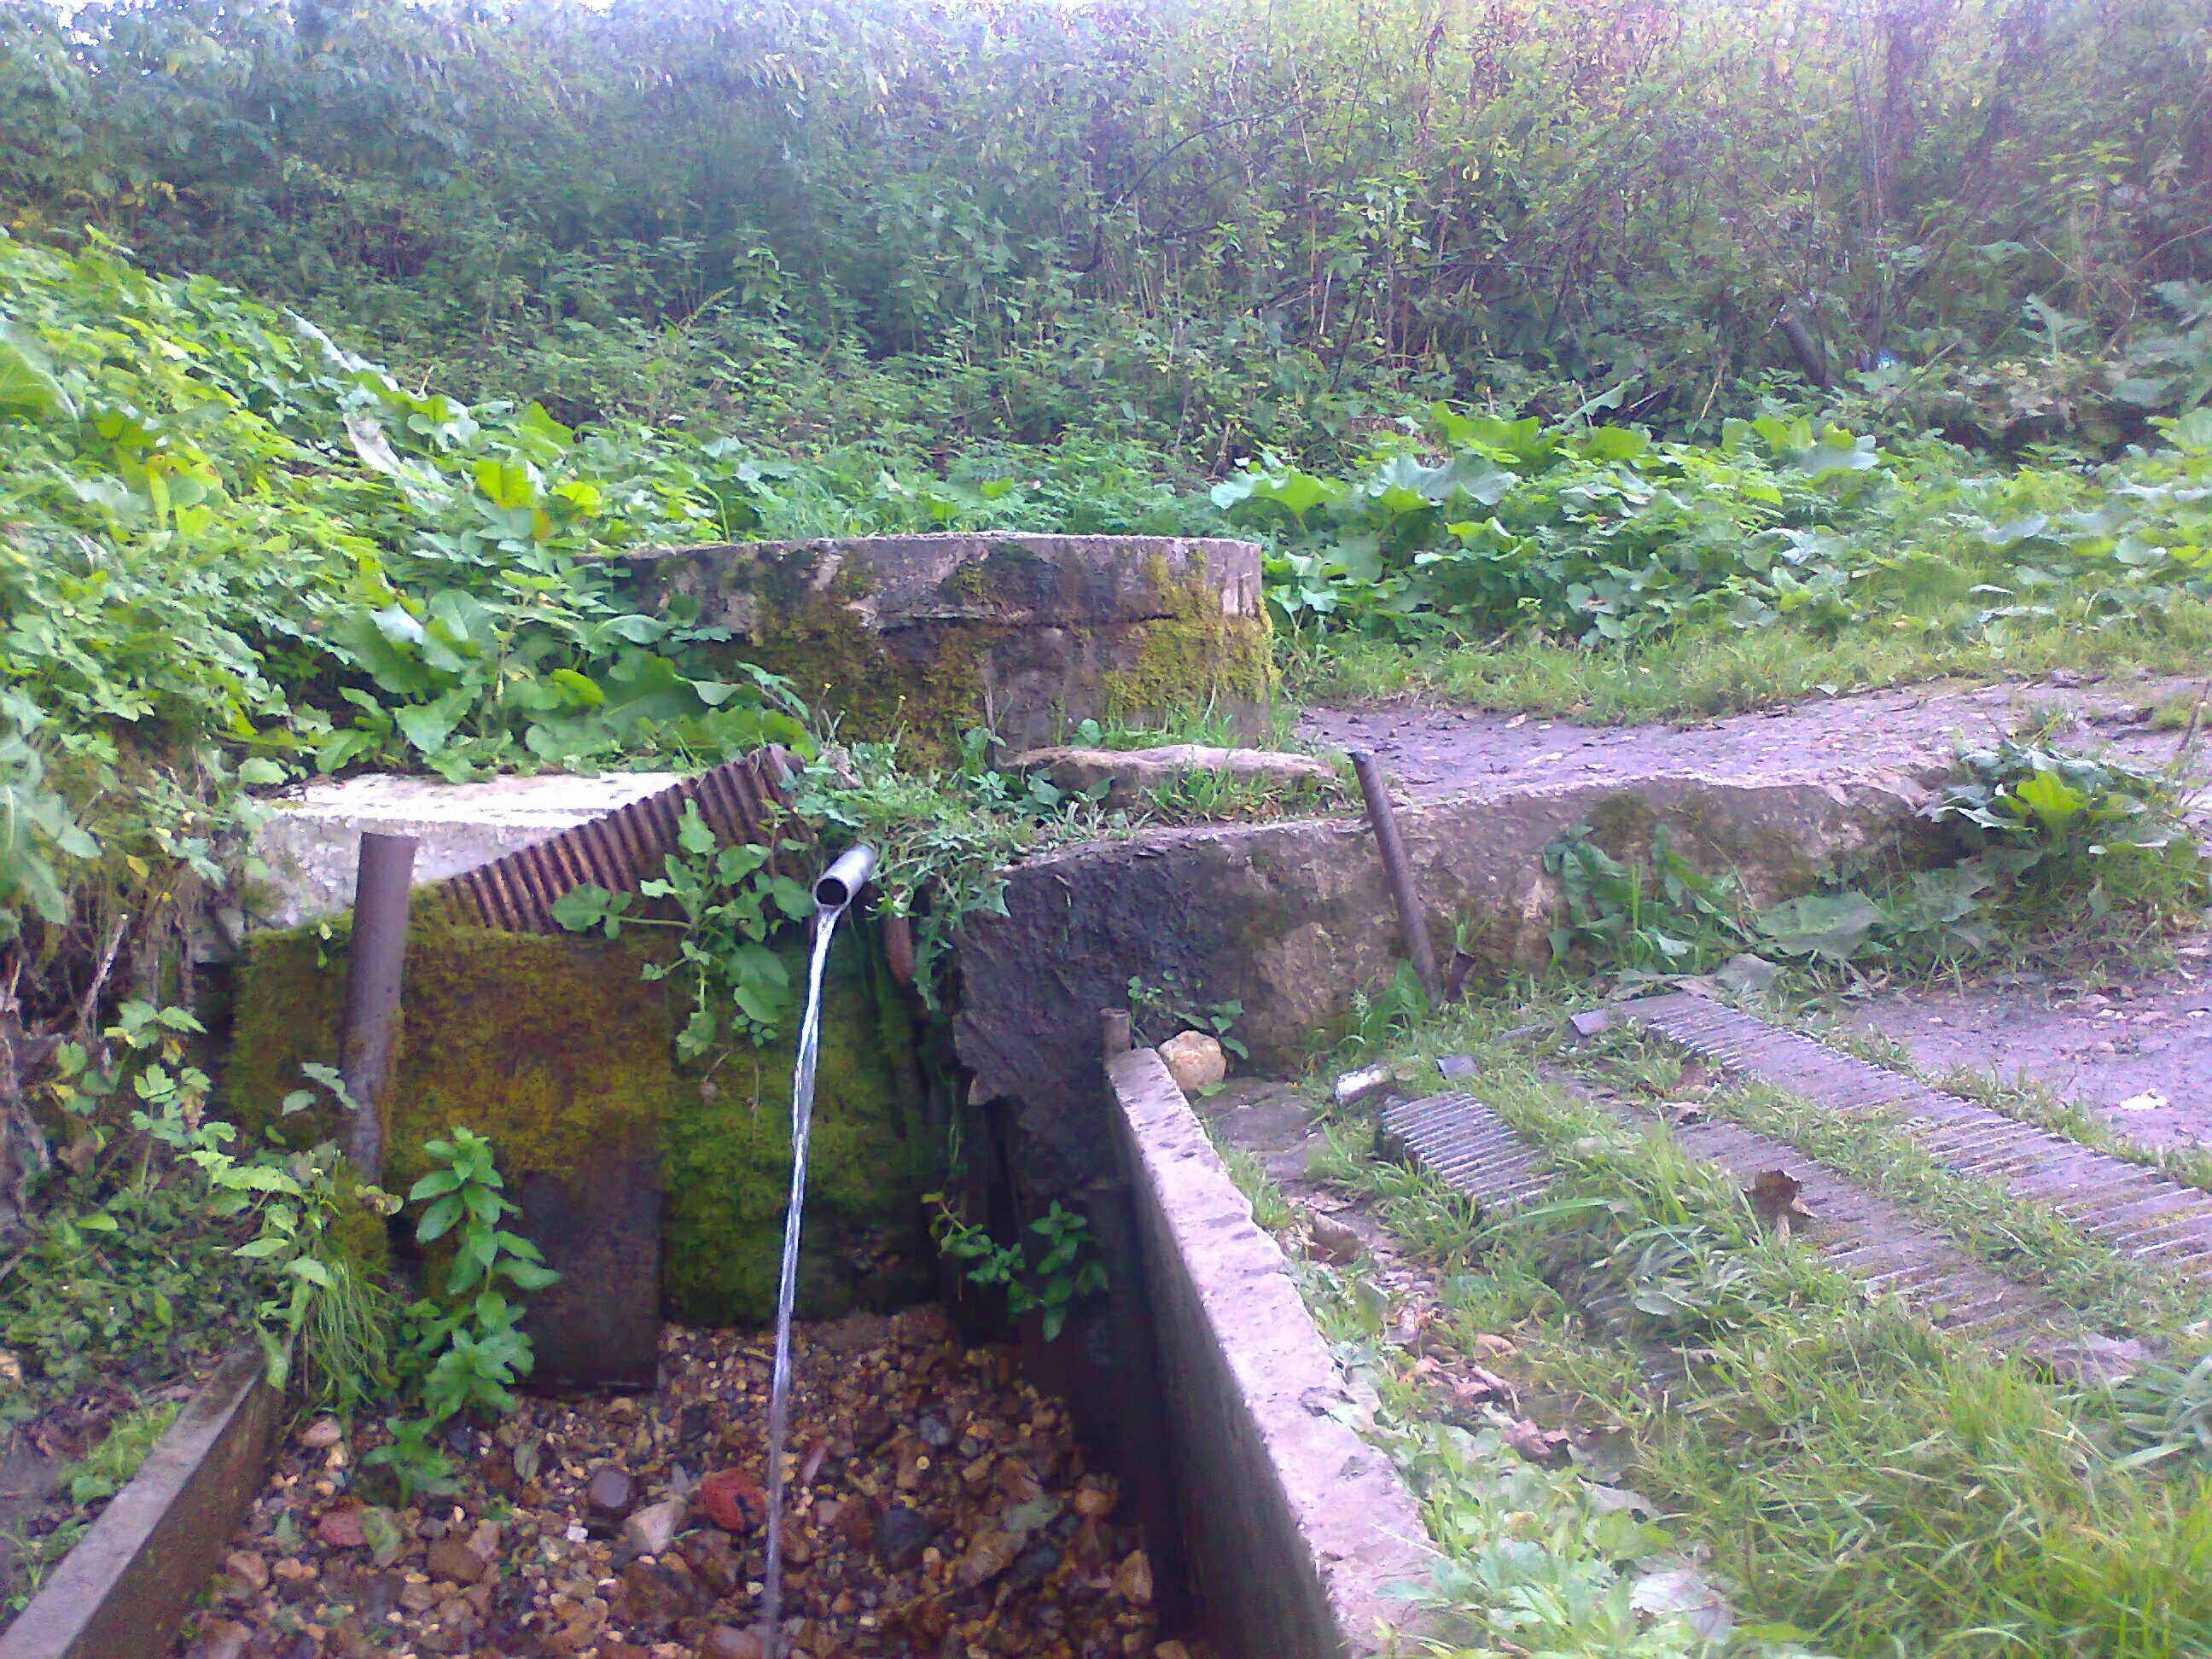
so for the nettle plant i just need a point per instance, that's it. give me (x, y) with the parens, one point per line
(1067, 1269)
(733, 900)
(470, 1343)
(465, 1350)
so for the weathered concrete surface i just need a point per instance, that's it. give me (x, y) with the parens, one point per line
(928, 636)
(1296, 1528)
(309, 841)
(1130, 774)
(1292, 918)
(124, 1589)
(1437, 751)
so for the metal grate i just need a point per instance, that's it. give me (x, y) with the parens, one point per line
(742, 800)
(2144, 1215)
(1461, 1141)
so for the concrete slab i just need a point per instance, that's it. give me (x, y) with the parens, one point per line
(1296, 1529)
(124, 1589)
(309, 839)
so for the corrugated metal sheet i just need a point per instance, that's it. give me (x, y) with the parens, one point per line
(742, 800)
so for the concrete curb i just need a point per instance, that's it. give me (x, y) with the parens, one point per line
(124, 1590)
(1296, 1528)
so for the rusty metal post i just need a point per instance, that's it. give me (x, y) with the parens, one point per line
(898, 948)
(374, 966)
(1114, 1032)
(1410, 921)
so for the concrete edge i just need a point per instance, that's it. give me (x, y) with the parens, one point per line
(1296, 1529)
(123, 1591)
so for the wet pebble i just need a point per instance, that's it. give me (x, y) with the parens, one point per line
(936, 1506)
(901, 1535)
(610, 1494)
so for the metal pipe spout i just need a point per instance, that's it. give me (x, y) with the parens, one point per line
(837, 886)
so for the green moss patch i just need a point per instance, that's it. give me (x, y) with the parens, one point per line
(559, 1051)
(1197, 657)
(729, 1159)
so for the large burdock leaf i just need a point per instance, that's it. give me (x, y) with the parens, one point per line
(1830, 924)
(27, 386)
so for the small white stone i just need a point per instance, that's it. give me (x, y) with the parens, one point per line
(652, 1528)
(1194, 1060)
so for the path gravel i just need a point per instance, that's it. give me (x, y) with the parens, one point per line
(1437, 749)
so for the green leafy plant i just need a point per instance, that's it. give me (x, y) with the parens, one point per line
(733, 899)
(943, 835)
(291, 1198)
(468, 1350)
(2051, 852)
(1668, 917)
(1067, 1268)
(121, 1451)
(421, 1469)
(1157, 1013)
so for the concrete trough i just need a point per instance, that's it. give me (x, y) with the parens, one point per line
(1296, 1531)
(123, 1591)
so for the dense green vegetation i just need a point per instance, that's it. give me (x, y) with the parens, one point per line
(1470, 313)
(1206, 229)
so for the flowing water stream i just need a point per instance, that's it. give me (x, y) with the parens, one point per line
(833, 892)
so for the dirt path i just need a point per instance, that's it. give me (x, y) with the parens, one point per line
(1437, 750)
(2136, 1053)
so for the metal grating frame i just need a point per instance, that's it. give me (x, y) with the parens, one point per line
(1469, 1147)
(741, 801)
(2142, 1214)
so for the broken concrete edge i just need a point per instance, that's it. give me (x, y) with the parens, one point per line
(1302, 1538)
(124, 1589)
(1290, 917)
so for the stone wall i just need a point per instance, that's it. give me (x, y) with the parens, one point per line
(1293, 918)
(1029, 634)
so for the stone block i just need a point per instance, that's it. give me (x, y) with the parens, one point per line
(1031, 635)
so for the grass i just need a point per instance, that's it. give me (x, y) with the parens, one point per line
(1859, 1482)
(104, 1472)
(1708, 670)
(2026, 1241)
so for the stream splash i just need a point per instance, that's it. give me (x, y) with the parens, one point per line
(833, 892)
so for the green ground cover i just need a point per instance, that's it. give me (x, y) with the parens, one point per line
(1854, 1482)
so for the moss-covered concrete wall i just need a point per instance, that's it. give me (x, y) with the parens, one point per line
(728, 1159)
(926, 636)
(559, 1051)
